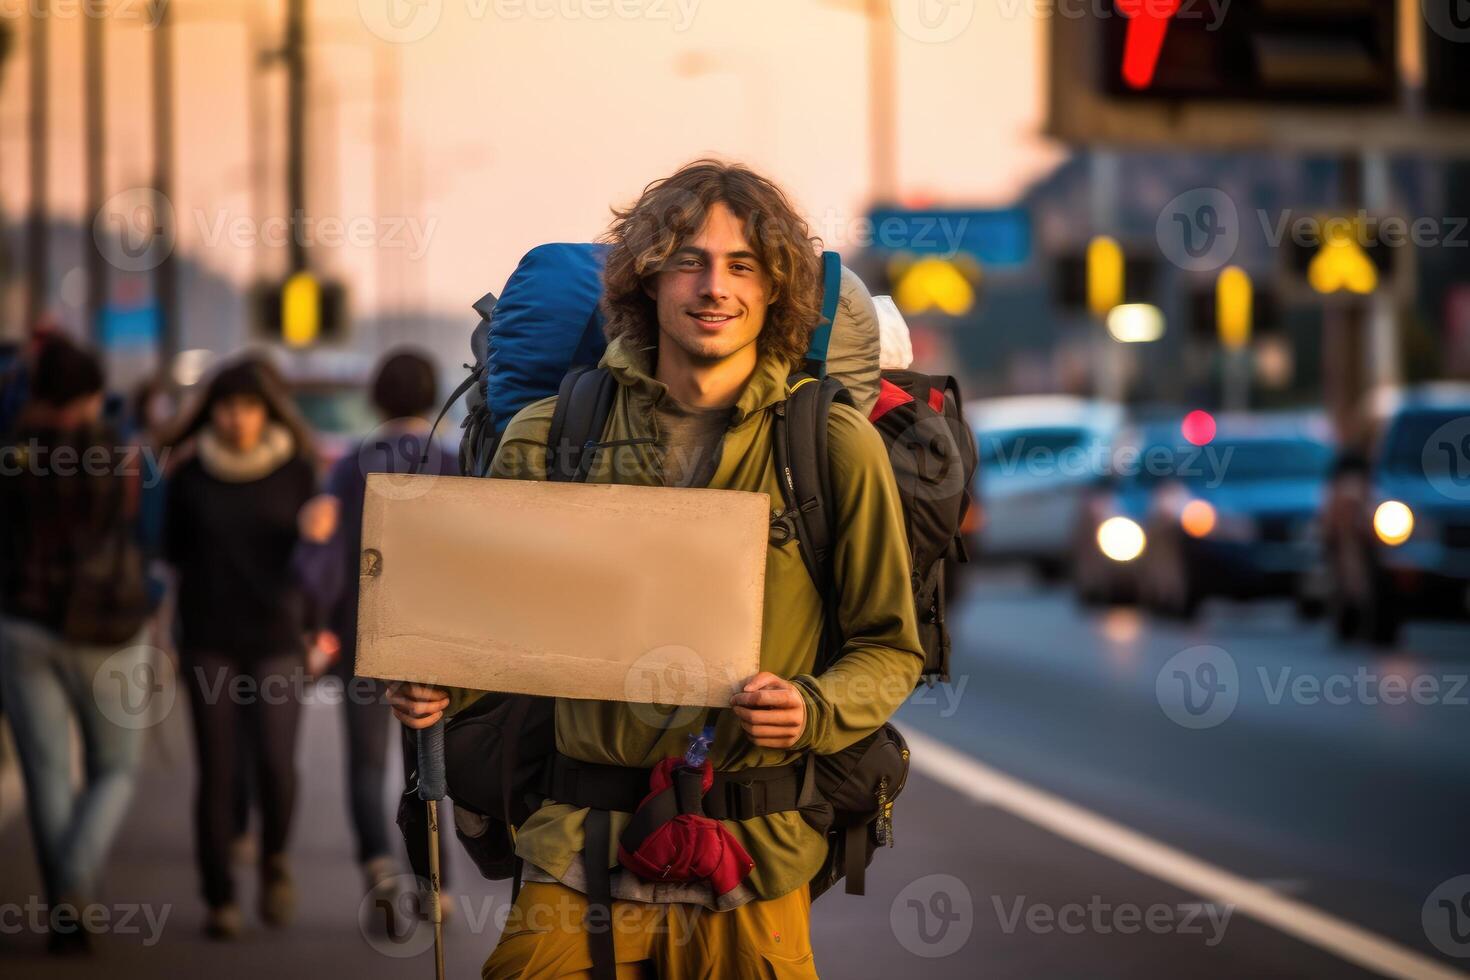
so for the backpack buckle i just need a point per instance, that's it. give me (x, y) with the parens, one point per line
(783, 527)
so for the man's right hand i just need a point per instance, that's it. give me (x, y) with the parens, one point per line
(417, 705)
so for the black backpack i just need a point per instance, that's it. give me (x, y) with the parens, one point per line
(496, 749)
(934, 459)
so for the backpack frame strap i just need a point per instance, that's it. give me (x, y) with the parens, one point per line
(583, 405)
(803, 469)
(816, 355)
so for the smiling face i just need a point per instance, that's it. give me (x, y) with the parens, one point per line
(713, 294)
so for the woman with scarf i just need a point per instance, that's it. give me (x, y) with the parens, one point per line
(230, 531)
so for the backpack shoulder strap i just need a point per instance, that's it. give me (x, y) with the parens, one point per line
(804, 472)
(816, 355)
(583, 405)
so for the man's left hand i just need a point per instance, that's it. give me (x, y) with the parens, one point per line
(771, 711)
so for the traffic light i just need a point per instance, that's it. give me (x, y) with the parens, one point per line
(1234, 299)
(1315, 51)
(1249, 304)
(302, 310)
(1342, 253)
(1073, 282)
(1105, 275)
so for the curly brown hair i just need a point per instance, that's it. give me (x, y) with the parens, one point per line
(645, 236)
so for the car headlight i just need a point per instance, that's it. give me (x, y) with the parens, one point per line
(1393, 522)
(1120, 539)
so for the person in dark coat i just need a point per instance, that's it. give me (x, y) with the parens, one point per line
(230, 530)
(72, 613)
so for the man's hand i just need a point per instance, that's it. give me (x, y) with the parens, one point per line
(771, 711)
(317, 520)
(417, 705)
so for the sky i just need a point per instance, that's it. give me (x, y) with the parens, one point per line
(523, 121)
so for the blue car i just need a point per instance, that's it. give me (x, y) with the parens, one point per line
(1239, 515)
(1398, 521)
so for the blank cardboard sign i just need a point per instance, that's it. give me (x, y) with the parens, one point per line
(571, 590)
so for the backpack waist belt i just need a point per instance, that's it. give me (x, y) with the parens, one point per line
(733, 795)
(738, 794)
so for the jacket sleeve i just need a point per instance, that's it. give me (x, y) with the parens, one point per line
(881, 658)
(319, 567)
(520, 456)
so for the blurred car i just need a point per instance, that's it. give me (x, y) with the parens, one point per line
(1109, 537)
(340, 413)
(1398, 518)
(1039, 456)
(1239, 514)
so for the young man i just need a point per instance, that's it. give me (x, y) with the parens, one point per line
(711, 296)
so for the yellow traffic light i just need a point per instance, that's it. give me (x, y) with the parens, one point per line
(301, 310)
(934, 283)
(1104, 275)
(1342, 263)
(1233, 301)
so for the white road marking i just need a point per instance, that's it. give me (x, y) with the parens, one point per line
(973, 778)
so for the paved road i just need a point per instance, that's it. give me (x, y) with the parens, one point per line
(1353, 809)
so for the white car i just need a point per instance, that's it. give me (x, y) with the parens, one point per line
(1039, 457)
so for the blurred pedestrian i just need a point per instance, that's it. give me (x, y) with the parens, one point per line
(230, 528)
(404, 392)
(74, 604)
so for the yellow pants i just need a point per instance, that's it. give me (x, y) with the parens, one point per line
(544, 938)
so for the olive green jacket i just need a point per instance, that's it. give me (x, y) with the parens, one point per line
(880, 660)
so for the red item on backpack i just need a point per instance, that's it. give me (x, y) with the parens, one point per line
(690, 846)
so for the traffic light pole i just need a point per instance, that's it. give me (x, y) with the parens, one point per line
(165, 276)
(296, 80)
(1110, 359)
(94, 65)
(37, 230)
(1382, 348)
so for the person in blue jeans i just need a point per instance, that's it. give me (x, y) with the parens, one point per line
(73, 606)
(404, 392)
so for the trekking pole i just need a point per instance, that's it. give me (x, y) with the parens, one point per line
(432, 789)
